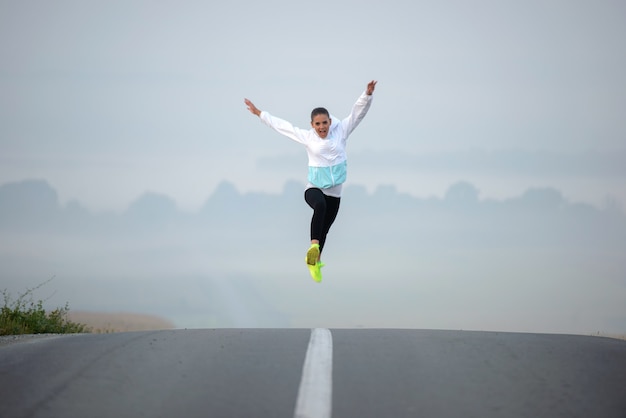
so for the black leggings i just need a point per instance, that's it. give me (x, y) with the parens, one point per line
(325, 210)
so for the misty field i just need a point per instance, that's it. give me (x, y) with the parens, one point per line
(537, 262)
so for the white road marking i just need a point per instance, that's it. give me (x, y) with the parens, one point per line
(315, 396)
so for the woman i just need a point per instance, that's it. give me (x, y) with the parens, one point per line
(326, 147)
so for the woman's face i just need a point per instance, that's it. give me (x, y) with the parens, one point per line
(321, 124)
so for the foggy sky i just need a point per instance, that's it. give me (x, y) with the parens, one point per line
(138, 96)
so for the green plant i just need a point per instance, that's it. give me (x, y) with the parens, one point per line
(25, 316)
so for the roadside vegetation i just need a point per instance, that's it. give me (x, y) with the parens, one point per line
(24, 315)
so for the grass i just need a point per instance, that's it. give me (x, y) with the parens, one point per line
(25, 316)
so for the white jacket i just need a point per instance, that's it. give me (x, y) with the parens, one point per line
(327, 157)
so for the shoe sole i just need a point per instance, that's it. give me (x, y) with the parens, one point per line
(312, 255)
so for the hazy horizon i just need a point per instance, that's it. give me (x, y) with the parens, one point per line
(536, 262)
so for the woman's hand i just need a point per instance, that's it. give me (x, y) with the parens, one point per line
(252, 108)
(370, 87)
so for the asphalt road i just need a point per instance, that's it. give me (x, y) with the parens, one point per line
(318, 374)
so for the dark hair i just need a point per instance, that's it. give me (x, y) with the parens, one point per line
(319, 111)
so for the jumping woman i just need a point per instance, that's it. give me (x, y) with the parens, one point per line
(325, 144)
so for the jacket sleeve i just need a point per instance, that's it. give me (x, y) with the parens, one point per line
(283, 127)
(359, 110)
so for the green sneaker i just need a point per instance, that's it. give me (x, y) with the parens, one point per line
(316, 271)
(313, 254)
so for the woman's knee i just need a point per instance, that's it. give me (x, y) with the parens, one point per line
(315, 199)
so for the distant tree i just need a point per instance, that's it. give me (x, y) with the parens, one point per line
(542, 198)
(462, 193)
